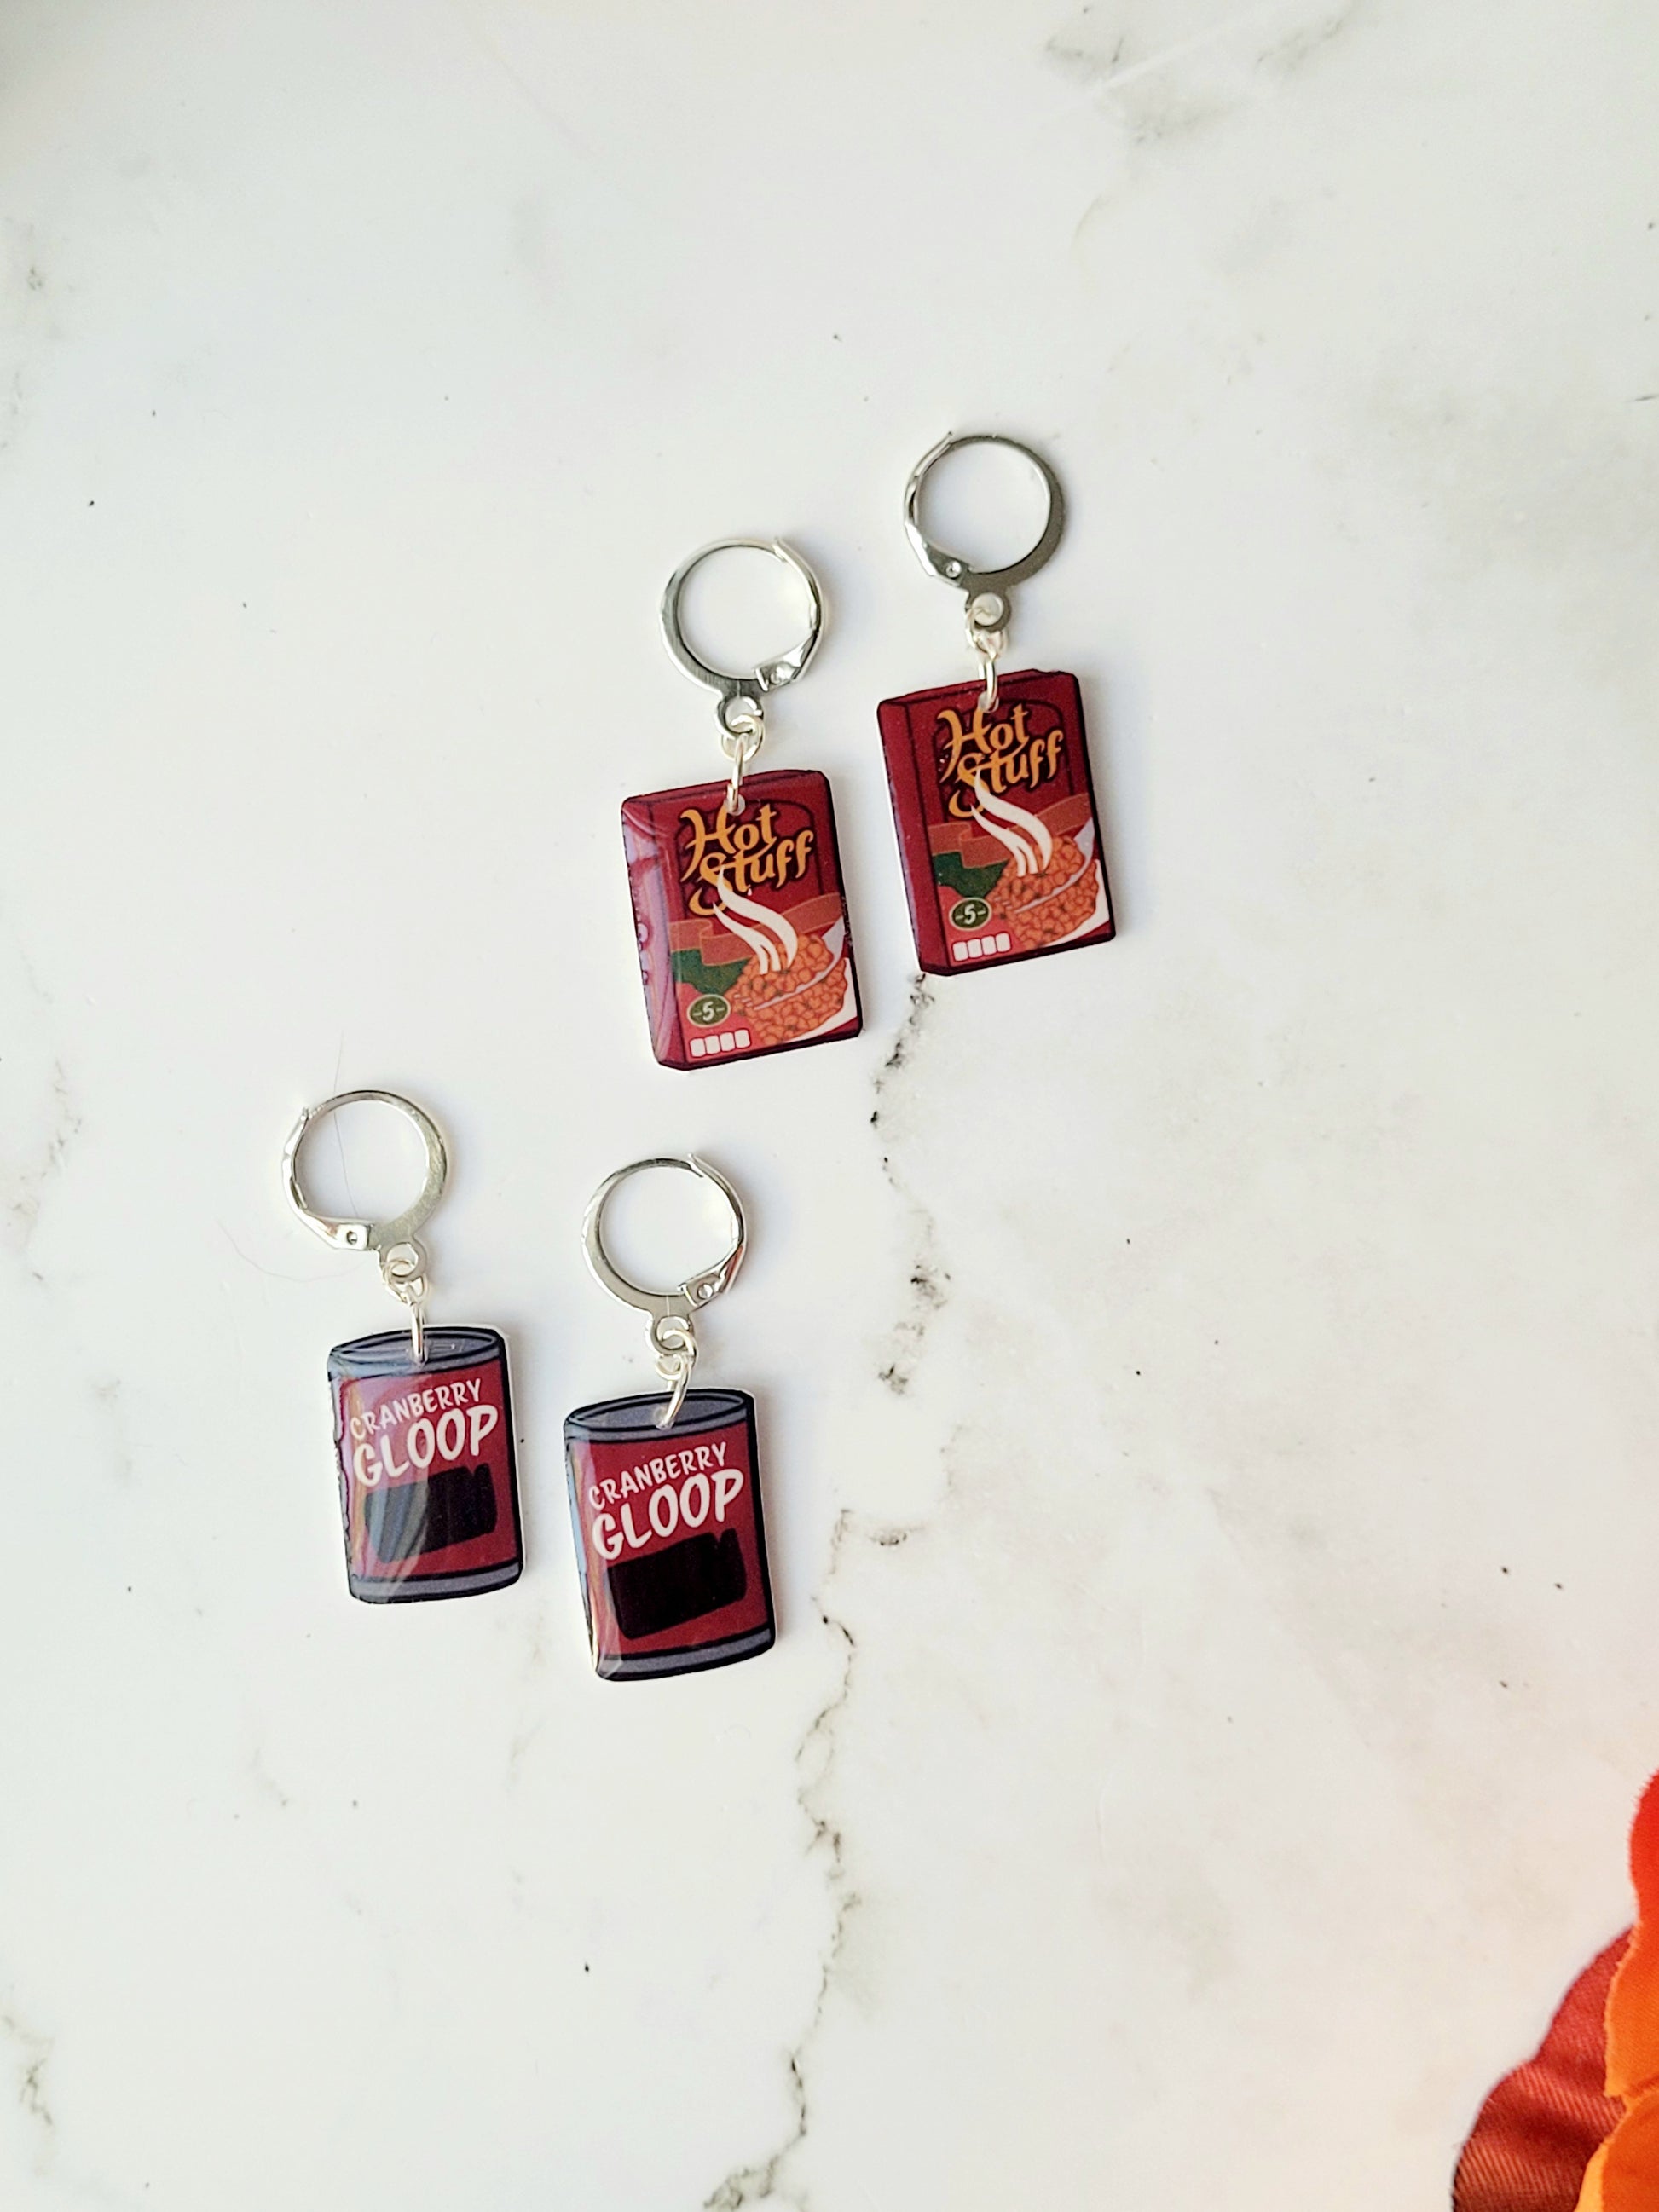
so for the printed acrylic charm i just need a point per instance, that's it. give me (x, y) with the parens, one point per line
(998, 834)
(665, 1489)
(670, 1542)
(997, 826)
(742, 925)
(428, 1491)
(738, 908)
(422, 1417)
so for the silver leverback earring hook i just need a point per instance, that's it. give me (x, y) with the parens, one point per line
(741, 706)
(989, 591)
(403, 1262)
(674, 1313)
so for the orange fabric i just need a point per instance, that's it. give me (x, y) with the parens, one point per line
(1633, 2007)
(1576, 2128)
(1542, 2124)
(1624, 2176)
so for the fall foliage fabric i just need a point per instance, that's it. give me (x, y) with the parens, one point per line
(1541, 2127)
(1576, 2128)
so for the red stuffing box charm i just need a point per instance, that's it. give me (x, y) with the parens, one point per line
(742, 924)
(998, 830)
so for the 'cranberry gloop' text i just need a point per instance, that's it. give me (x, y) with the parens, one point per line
(445, 1422)
(683, 1489)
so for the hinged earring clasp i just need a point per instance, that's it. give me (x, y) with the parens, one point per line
(741, 705)
(988, 591)
(403, 1262)
(674, 1313)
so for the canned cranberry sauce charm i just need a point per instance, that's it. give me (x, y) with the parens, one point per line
(422, 1417)
(737, 890)
(665, 1489)
(999, 835)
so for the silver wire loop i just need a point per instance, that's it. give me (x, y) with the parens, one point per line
(741, 706)
(987, 634)
(744, 733)
(403, 1262)
(675, 1347)
(673, 1332)
(990, 607)
(402, 1270)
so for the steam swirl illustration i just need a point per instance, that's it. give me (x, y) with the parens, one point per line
(1026, 836)
(772, 939)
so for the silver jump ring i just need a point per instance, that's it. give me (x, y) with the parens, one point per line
(673, 1334)
(744, 733)
(675, 1347)
(949, 568)
(742, 695)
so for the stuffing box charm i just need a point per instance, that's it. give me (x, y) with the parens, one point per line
(422, 1417)
(999, 833)
(738, 900)
(665, 1489)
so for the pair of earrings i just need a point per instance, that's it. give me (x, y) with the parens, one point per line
(664, 1487)
(738, 903)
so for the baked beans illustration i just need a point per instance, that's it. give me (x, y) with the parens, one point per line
(998, 830)
(741, 920)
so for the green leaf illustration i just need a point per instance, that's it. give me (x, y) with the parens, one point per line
(690, 967)
(967, 883)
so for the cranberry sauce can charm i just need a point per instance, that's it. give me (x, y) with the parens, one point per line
(738, 906)
(422, 1417)
(429, 1488)
(664, 1488)
(999, 833)
(670, 1542)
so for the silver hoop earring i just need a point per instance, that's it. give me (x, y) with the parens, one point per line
(999, 833)
(664, 1488)
(423, 1416)
(737, 887)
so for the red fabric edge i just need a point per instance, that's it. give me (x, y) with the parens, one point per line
(1543, 2124)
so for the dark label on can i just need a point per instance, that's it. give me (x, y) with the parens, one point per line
(998, 830)
(669, 1533)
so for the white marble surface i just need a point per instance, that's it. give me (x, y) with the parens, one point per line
(1209, 1383)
